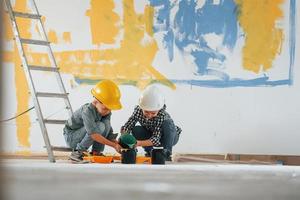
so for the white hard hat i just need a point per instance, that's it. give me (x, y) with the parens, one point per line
(151, 99)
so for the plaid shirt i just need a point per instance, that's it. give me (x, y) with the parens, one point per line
(153, 125)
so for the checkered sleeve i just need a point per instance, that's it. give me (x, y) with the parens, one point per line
(155, 138)
(128, 126)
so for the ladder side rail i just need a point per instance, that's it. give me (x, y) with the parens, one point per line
(30, 81)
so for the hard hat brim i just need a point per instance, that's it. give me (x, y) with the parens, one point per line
(149, 108)
(112, 106)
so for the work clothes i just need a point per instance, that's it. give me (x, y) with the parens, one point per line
(160, 129)
(85, 121)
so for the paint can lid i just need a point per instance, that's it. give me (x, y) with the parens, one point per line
(158, 147)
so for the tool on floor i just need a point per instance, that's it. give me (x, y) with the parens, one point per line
(99, 159)
(28, 68)
(116, 158)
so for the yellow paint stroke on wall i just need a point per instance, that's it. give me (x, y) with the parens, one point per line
(52, 37)
(131, 62)
(37, 29)
(263, 39)
(23, 123)
(8, 34)
(8, 57)
(149, 12)
(67, 37)
(103, 21)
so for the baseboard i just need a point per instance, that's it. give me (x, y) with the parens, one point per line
(239, 158)
(57, 155)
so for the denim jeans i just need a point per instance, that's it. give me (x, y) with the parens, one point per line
(80, 140)
(168, 139)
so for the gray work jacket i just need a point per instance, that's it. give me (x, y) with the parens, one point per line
(87, 116)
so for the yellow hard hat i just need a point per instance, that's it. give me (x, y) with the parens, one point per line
(108, 93)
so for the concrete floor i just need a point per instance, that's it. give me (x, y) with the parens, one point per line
(38, 179)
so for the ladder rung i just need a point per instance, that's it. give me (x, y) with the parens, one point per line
(57, 148)
(47, 94)
(40, 68)
(54, 121)
(37, 42)
(61, 148)
(26, 15)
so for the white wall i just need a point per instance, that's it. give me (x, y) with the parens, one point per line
(253, 120)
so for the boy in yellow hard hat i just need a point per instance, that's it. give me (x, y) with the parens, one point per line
(90, 124)
(156, 125)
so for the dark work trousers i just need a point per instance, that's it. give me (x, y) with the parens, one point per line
(168, 138)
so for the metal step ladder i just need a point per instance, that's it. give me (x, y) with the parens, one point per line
(28, 68)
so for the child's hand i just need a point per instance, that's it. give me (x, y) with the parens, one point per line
(118, 148)
(138, 143)
(115, 141)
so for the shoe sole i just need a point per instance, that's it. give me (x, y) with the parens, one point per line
(81, 162)
(76, 160)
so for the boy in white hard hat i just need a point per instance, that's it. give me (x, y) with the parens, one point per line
(156, 125)
(90, 124)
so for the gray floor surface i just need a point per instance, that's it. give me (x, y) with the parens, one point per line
(41, 180)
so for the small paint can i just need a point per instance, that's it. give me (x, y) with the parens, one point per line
(128, 156)
(158, 156)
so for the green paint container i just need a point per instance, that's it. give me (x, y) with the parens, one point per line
(127, 141)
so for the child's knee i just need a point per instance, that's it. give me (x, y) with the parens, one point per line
(168, 126)
(137, 130)
(140, 133)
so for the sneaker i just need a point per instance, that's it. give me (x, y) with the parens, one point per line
(169, 158)
(76, 156)
(168, 155)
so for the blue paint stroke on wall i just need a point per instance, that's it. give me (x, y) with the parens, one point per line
(233, 83)
(185, 23)
(220, 19)
(169, 43)
(190, 24)
(189, 28)
(292, 38)
(203, 83)
(164, 13)
(163, 19)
